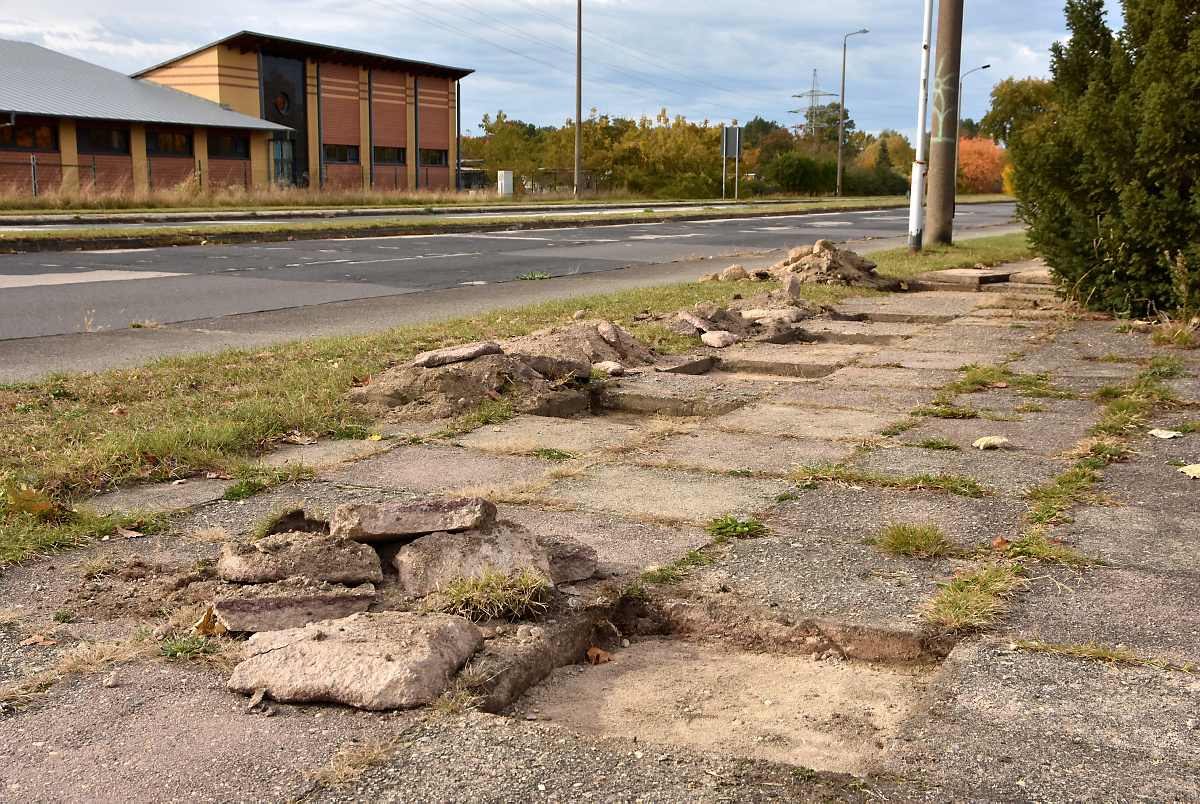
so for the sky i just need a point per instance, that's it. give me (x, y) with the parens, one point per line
(716, 61)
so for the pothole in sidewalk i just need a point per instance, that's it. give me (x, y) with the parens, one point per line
(706, 696)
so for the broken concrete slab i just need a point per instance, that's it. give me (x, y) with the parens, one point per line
(570, 559)
(931, 308)
(670, 394)
(858, 332)
(829, 393)
(456, 354)
(430, 562)
(938, 360)
(790, 360)
(831, 424)
(389, 660)
(893, 377)
(376, 524)
(965, 276)
(290, 603)
(311, 555)
(1047, 434)
(322, 455)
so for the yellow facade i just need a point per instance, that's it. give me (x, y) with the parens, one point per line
(68, 146)
(219, 74)
(260, 158)
(200, 147)
(314, 125)
(137, 149)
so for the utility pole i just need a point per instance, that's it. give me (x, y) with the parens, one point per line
(842, 109)
(916, 212)
(943, 151)
(579, 103)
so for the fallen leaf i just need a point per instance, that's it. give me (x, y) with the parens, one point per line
(208, 625)
(1192, 471)
(1001, 543)
(181, 482)
(597, 656)
(991, 442)
(360, 382)
(125, 533)
(493, 394)
(38, 639)
(31, 501)
(117, 410)
(295, 437)
(1000, 385)
(218, 476)
(375, 437)
(1166, 433)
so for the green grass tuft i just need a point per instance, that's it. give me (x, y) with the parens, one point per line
(493, 595)
(915, 541)
(973, 601)
(732, 527)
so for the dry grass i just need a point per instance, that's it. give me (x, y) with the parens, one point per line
(7, 616)
(915, 541)
(495, 595)
(86, 658)
(499, 494)
(1176, 335)
(1099, 652)
(973, 600)
(353, 760)
(96, 567)
(213, 535)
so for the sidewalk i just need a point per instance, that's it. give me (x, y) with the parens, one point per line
(801, 649)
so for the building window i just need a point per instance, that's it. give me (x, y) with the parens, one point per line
(221, 147)
(30, 137)
(346, 154)
(431, 157)
(387, 155)
(160, 143)
(102, 141)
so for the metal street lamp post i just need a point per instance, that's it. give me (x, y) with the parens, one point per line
(842, 109)
(958, 133)
(579, 103)
(916, 210)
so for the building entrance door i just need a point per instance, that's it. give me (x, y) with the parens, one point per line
(283, 161)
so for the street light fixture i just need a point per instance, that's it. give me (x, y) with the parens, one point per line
(579, 102)
(842, 109)
(957, 123)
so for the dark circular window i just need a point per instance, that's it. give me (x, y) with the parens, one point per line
(283, 103)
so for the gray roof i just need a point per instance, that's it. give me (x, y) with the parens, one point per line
(39, 81)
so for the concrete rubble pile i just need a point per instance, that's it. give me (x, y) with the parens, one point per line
(824, 263)
(544, 373)
(308, 598)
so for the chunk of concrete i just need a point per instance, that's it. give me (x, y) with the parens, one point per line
(310, 555)
(570, 560)
(376, 524)
(456, 354)
(719, 340)
(290, 603)
(435, 560)
(388, 660)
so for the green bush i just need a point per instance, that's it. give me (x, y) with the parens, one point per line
(797, 173)
(1104, 156)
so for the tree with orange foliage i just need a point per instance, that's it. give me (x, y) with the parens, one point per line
(980, 166)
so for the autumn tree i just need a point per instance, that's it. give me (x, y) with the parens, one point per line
(980, 166)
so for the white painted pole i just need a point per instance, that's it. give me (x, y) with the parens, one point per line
(916, 208)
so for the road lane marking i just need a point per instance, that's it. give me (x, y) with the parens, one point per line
(38, 280)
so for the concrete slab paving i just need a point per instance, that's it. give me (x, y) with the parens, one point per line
(894, 377)
(527, 433)
(731, 452)
(666, 495)
(1010, 473)
(938, 360)
(832, 424)
(1046, 434)
(666, 394)
(790, 360)
(914, 308)
(864, 332)
(833, 394)
(323, 455)
(1136, 537)
(433, 469)
(159, 497)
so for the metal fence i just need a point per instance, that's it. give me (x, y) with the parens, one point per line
(55, 172)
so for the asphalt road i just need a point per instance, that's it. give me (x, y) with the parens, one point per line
(48, 294)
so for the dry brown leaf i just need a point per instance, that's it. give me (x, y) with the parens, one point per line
(1000, 385)
(125, 533)
(1157, 433)
(218, 476)
(117, 410)
(207, 625)
(1192, 471)
(597, 656)
(360, 382)
(493, 394)
(38, 639)
(1001, 543)
(296, 437)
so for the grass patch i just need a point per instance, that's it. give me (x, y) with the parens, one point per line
(936, 443)
(990, 251)
(915, 541)
(951, 484)
(977, 378)
(1034, 546)
(532, 275)
(900, 427)
(353, 760)
(730, 527)
(676, 572)
(188, 648)
(494, 595)
(944, 407)
(253, 479)
(1176, 335)
(973, 601)
(489, 412)
(552, 454)
(1051, 503)
(1099, 652)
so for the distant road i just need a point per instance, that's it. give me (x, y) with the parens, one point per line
(68, 292)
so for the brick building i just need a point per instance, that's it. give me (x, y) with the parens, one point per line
(356, 119)
(245, 111)
(65, 123)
